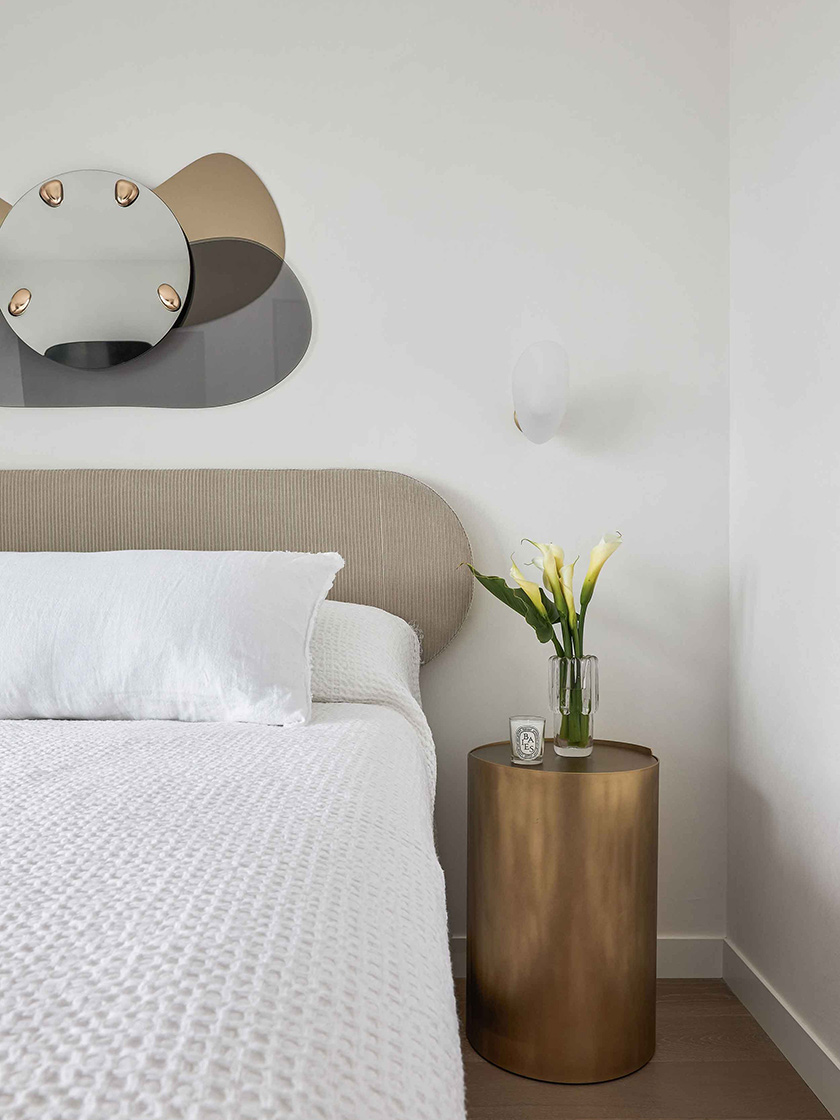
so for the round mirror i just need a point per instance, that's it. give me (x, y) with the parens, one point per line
(94, 269)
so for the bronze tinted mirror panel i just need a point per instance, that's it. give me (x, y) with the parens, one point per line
(220, 196)
(235, 233)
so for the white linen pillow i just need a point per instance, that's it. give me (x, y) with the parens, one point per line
(215, 636)
(363, 655)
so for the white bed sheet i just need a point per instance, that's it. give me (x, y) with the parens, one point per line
(224, 922)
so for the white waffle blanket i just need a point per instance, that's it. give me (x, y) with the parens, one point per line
(223, 922)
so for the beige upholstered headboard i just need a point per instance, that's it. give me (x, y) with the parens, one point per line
(401, 542)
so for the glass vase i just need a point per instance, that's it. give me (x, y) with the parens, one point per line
(573, 692)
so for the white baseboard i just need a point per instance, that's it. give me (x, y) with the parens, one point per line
(815, 1064)
(675, 956)
(689, 957)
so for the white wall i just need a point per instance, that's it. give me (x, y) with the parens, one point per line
(784, 865)
(459, 178)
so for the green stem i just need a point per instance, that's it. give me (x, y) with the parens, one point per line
(581, 620)
(584, 731)
(575, 726)
(558, 648)
(567, 636)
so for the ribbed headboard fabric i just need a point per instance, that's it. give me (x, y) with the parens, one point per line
(401, 542)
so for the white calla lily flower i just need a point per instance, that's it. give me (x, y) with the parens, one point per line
(599, 555)
(567, 580)
(550, 561)
(531, 589)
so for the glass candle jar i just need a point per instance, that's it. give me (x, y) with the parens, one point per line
(527, 740)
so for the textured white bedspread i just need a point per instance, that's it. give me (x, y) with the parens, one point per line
(223, 922)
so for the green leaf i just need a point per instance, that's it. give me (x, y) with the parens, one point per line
(497, 586)
(517, 600)
(550, 608)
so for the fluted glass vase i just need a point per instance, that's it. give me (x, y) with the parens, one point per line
(573, 692)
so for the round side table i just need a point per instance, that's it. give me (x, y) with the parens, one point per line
(561, 911)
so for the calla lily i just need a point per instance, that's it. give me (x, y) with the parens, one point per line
(550, 561)
(537, 562)
(530, 588)
(553, 617)
(599, 555)
(567, 580)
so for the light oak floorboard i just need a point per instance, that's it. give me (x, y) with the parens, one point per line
(712, 1062)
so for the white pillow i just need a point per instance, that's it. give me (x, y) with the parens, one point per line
(363, 655)
(221, 636)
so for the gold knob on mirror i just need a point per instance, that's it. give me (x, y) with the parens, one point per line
(52, 192)
(19, 301)
(169, 297)
(126, 192)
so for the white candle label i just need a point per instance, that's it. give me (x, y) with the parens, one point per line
(527, 742)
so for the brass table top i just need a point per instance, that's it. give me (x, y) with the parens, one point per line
(607, 757)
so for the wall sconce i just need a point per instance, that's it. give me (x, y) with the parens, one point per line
(541, 390)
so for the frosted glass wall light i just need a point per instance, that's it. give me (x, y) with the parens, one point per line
(541, 390)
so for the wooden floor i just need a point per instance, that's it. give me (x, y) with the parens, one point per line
(712, 1062)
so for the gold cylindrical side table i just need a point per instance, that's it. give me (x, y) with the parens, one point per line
(561, 911)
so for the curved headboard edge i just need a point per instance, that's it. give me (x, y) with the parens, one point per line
(401, 540)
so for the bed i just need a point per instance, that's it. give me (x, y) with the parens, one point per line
(206, 921)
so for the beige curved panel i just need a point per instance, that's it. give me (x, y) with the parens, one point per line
(219, 196)
(5, 207)
(401, 541)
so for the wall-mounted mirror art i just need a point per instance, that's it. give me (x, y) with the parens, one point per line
(180, 296)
